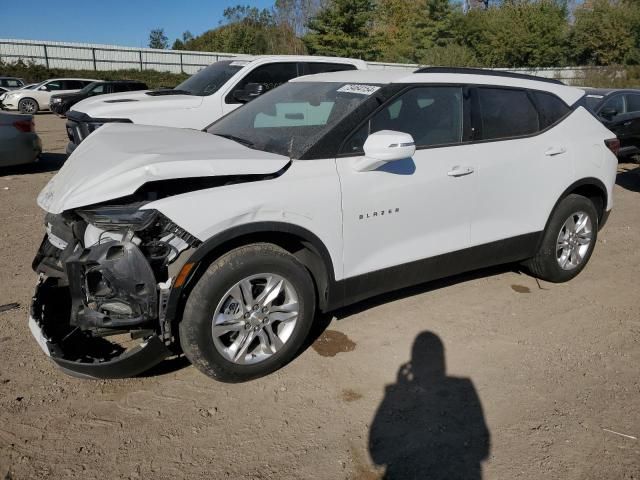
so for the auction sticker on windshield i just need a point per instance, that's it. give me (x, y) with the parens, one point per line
(358, 88)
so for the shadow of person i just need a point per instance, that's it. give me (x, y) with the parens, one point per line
(429, 426)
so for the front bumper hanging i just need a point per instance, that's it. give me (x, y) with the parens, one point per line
(101, 292)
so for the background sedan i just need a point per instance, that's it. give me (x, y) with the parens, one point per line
(19, 142)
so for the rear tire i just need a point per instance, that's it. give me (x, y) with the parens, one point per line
(28, 106)
(568, 241)
(249, 314)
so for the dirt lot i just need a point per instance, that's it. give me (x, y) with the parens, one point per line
(518, 379)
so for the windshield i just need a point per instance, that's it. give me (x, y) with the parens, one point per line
(293, 117)
(209, 80)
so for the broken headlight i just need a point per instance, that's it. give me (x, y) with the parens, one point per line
(119, 217)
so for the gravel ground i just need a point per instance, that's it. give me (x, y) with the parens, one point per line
(491, 374)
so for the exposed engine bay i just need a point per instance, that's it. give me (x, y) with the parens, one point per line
(105, 276)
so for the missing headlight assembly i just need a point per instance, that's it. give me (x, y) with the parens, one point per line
(104, 277)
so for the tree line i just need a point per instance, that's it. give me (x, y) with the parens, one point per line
(505, 33)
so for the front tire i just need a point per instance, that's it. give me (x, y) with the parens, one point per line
(28, 106)
(249, 314)
(568, 241)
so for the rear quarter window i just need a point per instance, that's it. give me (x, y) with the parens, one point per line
(550, 108)
(504, 113)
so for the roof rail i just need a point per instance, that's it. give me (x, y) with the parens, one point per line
(485, 71)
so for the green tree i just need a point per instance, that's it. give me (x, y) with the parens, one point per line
(606, 33)
(517, 33)
(157, 39)
(395, 30)
(343, 28)
(248, 30)
(180, 44)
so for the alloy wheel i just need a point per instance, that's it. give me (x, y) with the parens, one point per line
(255, 318)
(574, 240)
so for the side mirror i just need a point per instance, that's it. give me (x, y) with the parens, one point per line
(385, 146)
(43, 88)
(249, 92)
(608, 113)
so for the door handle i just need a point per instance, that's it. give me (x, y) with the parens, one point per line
(626, 124)
(551, 151)
(459, 171)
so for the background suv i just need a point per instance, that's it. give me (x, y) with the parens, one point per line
(201, 99)
(322, 192)
(62, 102)
(33, 100)
(619, 111)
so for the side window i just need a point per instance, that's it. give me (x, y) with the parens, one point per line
(633, 103)
(550, 108)
(11, 83)
(72, 85)
(119, 87)
(505, 113)
(53, 86)
(322, 67)
(99, 89)
(616, 103)
(271, 76)
(432, 115)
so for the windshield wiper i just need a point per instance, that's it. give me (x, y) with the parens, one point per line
(168, 91)
(243, 141)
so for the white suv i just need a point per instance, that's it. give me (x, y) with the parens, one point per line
(31, 101)
(322, 192)
(201, 99)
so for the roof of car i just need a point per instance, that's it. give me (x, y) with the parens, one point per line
(70, 78)
(608, 91)
(569, 94)
(298, 58)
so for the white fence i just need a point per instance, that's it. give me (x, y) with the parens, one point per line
(89, 56)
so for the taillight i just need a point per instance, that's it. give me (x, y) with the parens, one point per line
(25, 126)
(613, 144)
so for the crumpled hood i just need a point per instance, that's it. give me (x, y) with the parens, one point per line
(124, 105)
(117, 159)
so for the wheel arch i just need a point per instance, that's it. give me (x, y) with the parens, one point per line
(30, 98)
(300, 242)
(591, 188)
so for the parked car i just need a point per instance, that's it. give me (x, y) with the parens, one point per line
(202, 98)
(62, 102)
(33, 100)
(19, 142)
(318, 194)
(619, 111)
(10, 83)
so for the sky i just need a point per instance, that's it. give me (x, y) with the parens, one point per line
(117, 22)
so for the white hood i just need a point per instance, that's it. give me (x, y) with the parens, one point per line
(118, 158)
(124, 105)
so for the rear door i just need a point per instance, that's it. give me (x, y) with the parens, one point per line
(521, 156)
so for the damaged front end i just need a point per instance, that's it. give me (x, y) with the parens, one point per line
(104, 278)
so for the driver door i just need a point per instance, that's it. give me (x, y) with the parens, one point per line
(412, 209)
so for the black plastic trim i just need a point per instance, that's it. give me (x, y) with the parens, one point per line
(492, 73)
(354, 289)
